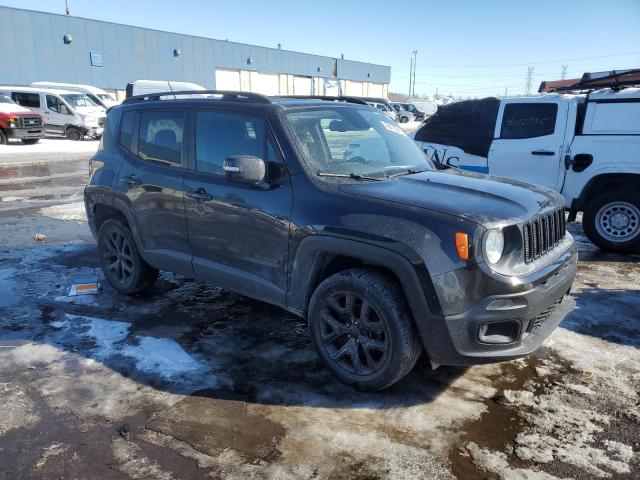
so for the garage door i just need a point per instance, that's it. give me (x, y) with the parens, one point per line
(376, 90)
(302, 85)
(332, 88)
(354, 88)
(265, 83)
(227, 79)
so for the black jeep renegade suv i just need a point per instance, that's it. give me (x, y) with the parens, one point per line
(324, 207)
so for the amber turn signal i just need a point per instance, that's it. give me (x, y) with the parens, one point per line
(462, 245)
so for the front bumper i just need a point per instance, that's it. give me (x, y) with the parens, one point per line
(93, 131)
(535, 307)
(25, 133)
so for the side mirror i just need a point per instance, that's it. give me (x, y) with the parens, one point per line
(245, 169)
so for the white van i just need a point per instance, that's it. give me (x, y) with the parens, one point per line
(145, 87)
(94, 93)
(65, 112)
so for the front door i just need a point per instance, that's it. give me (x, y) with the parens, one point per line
(529, 142)
(56, 114)
(152, 179)
(239, 233)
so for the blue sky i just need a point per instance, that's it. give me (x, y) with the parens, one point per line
(466, 48)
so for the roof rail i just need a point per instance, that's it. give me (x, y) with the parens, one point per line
(340, 98)
(227, 95)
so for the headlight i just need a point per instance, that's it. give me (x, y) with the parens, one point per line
(493, 245)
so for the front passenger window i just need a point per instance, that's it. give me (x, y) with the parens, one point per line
(221, 134)
(160, 138)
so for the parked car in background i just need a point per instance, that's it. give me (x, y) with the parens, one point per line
(418, 114)
(386, 109)
(384, 255)
(96, 94)
(404, 115)
(68, 113)
(19, 123)
(145, 87)
(585, 146)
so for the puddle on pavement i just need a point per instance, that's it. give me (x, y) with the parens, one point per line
(212, 425)
(7, 297)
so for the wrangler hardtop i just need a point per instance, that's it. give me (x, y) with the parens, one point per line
(383, 254)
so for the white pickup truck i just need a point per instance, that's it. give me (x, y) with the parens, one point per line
(586, 146)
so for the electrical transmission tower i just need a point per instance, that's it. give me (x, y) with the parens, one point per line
(529, 81)
(563, 75)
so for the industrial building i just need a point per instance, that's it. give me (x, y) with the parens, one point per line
(39, 46)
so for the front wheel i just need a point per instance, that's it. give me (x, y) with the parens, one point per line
(404, 119)
(3, 138)
(612, 221)
(362, 329)
(73, 134)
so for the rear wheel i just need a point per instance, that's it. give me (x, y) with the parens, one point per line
(612, 221)
(404, 119)
(30, 141)
(120, 260)
(362, 329)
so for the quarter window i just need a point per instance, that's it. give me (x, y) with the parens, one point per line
(30, 100)
(126, 129)
(221, 134)
(528, 120)
(160, 138)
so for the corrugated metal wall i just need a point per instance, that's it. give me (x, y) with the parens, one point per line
(33, 50)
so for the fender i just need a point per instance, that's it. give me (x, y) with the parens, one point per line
(414, 279)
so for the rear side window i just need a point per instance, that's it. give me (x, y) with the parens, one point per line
(160, 138)
(528, 120)
(621, 118)
(126, 129)
(220, 135)
(31, 100)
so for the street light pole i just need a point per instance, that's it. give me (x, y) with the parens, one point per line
(410, 75)
(66, 3)
(415, 64)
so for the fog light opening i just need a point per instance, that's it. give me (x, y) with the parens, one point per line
(507, 331)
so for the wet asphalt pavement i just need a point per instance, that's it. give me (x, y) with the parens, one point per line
(190, 381)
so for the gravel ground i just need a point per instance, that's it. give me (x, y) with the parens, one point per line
(190, 381)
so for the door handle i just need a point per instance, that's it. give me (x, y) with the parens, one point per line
(131, 180)
(548, 153)
(200, 195)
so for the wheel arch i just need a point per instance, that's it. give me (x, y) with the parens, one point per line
(603, 182)
(318, 257)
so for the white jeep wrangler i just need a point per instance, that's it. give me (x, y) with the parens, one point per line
(586, 146)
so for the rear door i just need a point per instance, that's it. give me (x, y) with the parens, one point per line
(239, 233)
(529, 141)
(152, 179)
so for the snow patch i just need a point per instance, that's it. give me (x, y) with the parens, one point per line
(66, 211)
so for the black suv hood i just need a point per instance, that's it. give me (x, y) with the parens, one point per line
(482, 199)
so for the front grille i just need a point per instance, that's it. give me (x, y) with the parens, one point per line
(542, 234)
(542, 317)
(101, 121)
(30, 122)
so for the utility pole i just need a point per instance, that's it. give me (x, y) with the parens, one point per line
(410, 77)
(529, 81)
(506, 91)
(66, 3)
(563, 75)
(415, 65)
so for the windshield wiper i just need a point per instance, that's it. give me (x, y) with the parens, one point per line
(408, 171)
(355, 176)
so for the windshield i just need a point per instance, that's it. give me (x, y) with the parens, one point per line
(5, 99)
(79, 100)
(105, 96)
(352, 140)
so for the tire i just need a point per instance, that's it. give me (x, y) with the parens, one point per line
(121, 263)
(73, 133)
(30, 141)
(3, 138)
(612, 221)
(419, 119)
(372, 350)
(404, 119)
